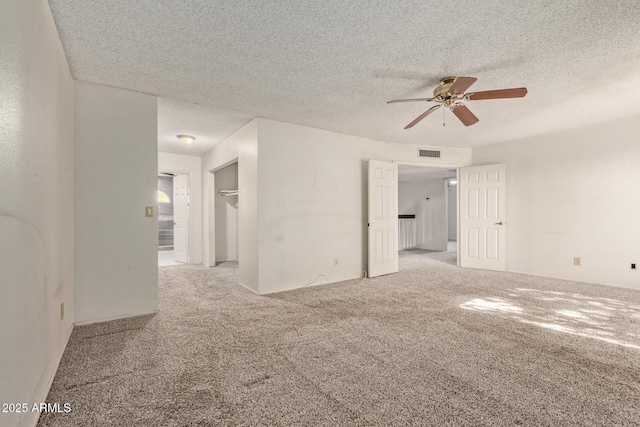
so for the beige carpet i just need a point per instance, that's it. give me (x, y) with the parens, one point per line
(431, 345)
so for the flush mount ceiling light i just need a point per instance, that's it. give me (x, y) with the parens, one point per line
(186, 139)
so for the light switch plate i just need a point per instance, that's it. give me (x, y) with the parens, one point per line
(149, 211)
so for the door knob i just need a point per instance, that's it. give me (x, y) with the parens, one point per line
(498, 223)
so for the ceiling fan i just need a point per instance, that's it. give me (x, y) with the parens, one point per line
(451, 92)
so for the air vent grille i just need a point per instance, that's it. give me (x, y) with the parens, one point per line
(429, 153)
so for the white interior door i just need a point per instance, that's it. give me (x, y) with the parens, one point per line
(383, 218)
(482, 217)
(181, 218)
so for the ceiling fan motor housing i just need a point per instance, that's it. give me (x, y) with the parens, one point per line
(443, 88)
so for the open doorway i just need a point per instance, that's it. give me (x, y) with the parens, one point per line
(173, 218)
(427, 210)
(226, 213)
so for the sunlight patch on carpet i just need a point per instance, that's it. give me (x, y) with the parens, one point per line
(490, 304)
(603, 319)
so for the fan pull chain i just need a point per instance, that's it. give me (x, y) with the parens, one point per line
(443, 117)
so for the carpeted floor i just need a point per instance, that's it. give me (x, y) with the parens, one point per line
(432, 345)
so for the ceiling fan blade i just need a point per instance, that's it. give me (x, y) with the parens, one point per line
(461, 84)
(410, 100)
(498, 94)
(423, 115)
(464, 114)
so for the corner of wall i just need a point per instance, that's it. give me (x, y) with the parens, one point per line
(36, 219)
(241, 146)
(115, 178)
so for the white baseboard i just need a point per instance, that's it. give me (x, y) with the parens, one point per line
(246, 287)
(311, 285)
(108, 319)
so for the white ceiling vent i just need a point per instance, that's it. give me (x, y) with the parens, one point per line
(429, 153)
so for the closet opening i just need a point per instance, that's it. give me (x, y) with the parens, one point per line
(226, 205)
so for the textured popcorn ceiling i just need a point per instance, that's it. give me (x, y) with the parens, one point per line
(333, 64)
(183, 118)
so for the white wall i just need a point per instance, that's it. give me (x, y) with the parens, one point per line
(406, 198)
(36, 205)
(313, 203)
(243, 147)
(431, 231)
(302, 201)
(431, 216)
(116, 176)
(191, 165)
(408, 153)
(573, 194)
(226, 214)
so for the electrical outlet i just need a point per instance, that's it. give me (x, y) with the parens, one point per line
(335, 261)
(62, 311)
(633, 266)
(576, 261)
